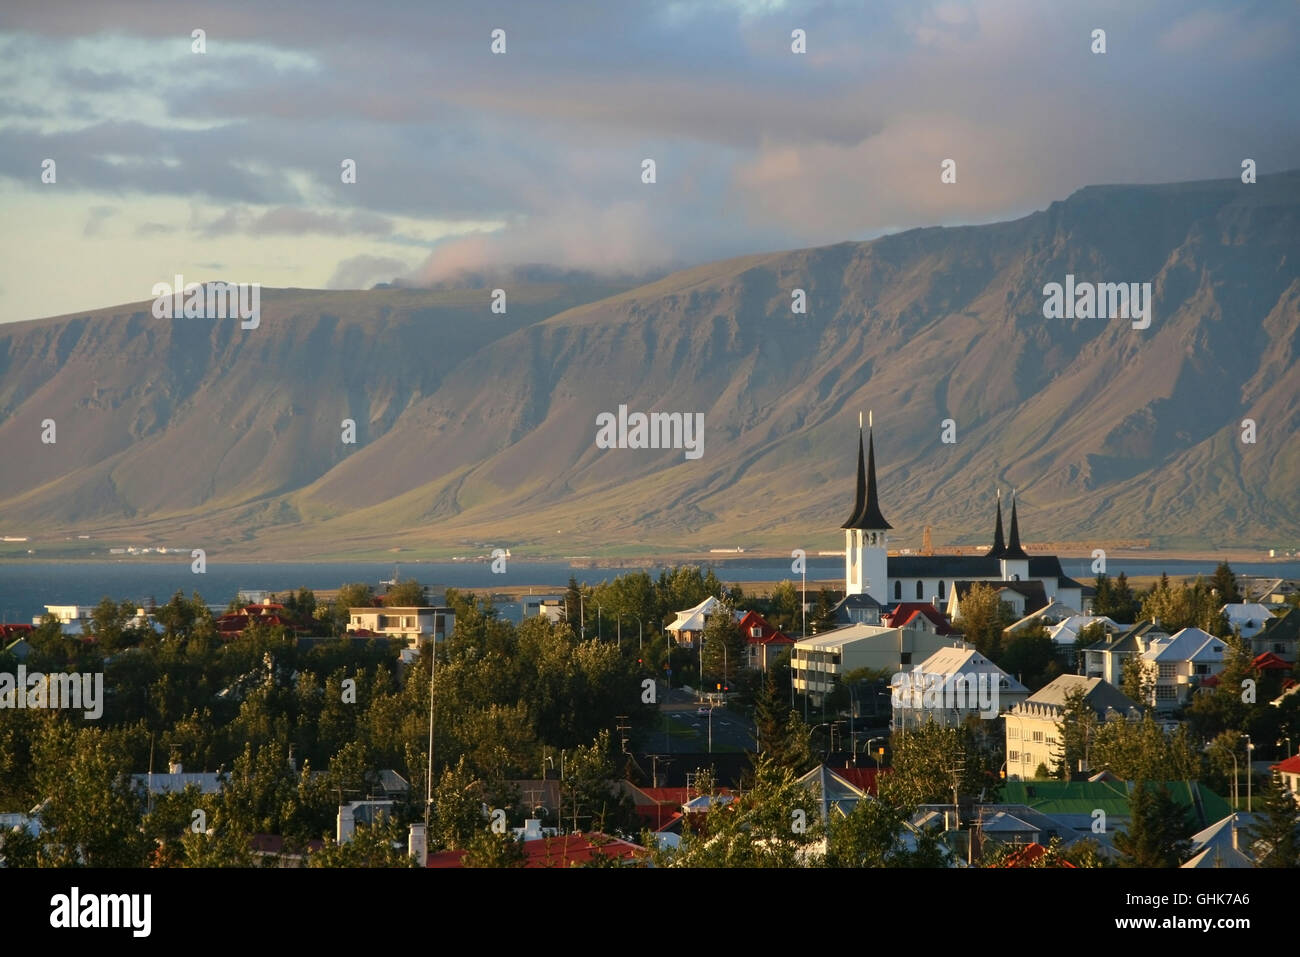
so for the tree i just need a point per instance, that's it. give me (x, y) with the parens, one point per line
(383, 845)
(723, 646)
(91, 815)
(871, 835)
(487, 849)
(1140, 750)
(457, 808)
(785, 605)
(774, 824)
(823, 616)
(1224, 582)
(1032, 656)
(1157, 831)
(1075, 731)
(983, 616)
(1137, 681)
(1276, 833)
(924, 760)
(1125, 606)
(406, 594)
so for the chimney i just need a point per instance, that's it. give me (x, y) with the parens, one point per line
(346, 824)
(417, 846)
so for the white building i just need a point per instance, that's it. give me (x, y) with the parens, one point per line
(817, 662)
(950, 686)
(415, 624)
(1179, 663)
(1247, 617)
(869, 569)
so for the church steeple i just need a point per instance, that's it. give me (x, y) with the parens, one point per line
(999, 549)
(866, 563)
(1013, 547)
(866, 507)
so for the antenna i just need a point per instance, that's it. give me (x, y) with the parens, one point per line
(870, 424)
(859, 420)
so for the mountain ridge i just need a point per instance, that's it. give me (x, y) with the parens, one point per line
(477, 427)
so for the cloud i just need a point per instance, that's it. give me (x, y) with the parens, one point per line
(534, 156)
(288, 221)
(362, 272)
(95, 220)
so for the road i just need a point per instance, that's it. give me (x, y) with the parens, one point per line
(731, 732)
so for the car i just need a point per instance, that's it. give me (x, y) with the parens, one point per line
(704, 709)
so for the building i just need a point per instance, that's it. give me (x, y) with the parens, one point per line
(763, 643)
(1105, 659)
(870, 570)
(1280, 635)
(1180, 663)
(688, 627)
(1031, 726)
(817, 662)
(1246, 618)
(552, 606)
(950, 686)
(414, 624)
(1289, 772)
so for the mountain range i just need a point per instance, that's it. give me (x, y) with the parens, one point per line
(476, 429)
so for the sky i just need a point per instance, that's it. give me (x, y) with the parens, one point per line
(228, 163)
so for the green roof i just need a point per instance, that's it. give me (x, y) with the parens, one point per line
(1083, 797)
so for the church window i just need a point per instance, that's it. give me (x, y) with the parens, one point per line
(919, 590)
(898, 591)
(942, 594)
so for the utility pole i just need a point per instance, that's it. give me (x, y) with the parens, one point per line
(428, 774)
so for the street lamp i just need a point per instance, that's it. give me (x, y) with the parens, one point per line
(876, 757)
(1249, 773)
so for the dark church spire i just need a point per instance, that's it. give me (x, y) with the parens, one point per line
(999, 549)
(866, 508)
(1013, 547)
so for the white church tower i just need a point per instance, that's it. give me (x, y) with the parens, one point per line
(866, 563)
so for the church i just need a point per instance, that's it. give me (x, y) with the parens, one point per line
(875, 580)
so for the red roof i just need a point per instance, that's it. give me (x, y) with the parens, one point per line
(861, 778)
(567, 850)
(767, 634)
(1290, 765)
(1028, 854)
(906, 611)
(1269, 662)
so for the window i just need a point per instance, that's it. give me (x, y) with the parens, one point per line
(1051, 740)
(942, 593)
(1013, 731)
(1166, 692)
(905, 659)
(918, 590)
(898, 591)
(756, 632)
(1038, 736)
(1013, 755)
(1202, 669)
(1168, 669)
